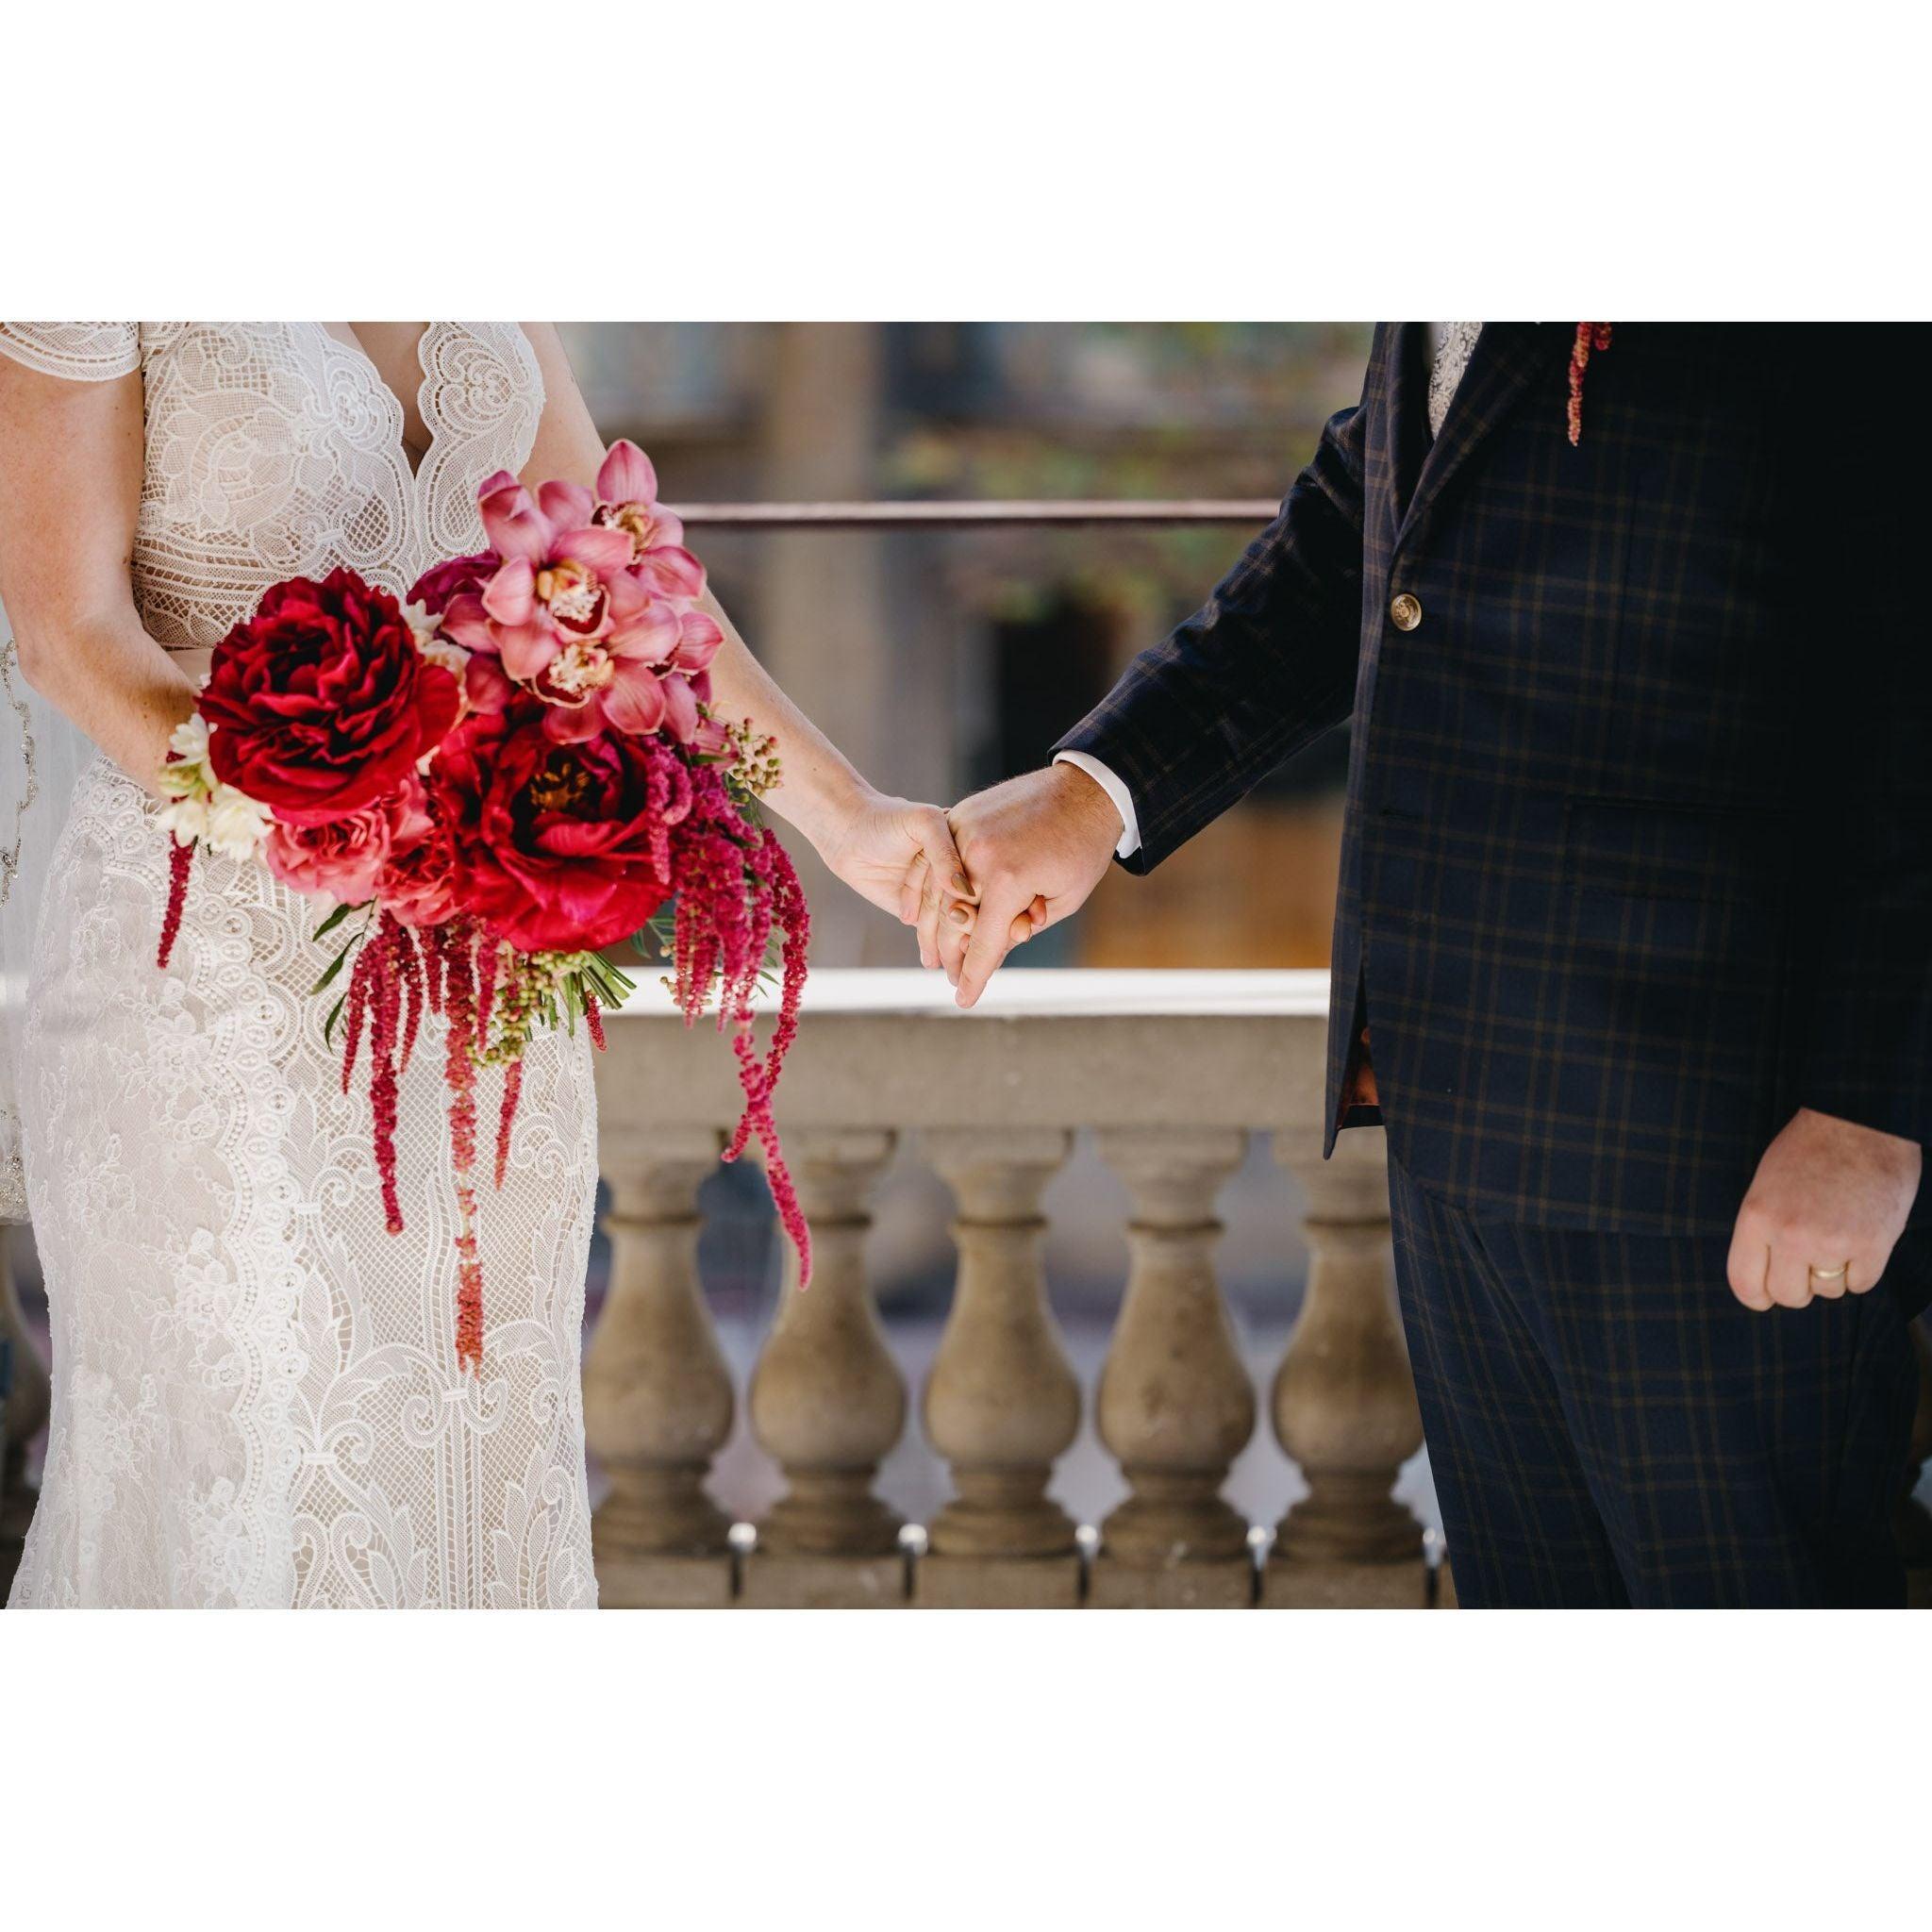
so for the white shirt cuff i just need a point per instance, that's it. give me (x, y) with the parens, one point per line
(1110, 783)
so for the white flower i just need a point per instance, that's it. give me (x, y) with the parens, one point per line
(187, 818)
(449, 654)
(416, 615)
(188, 774)
(237, 824)
(189, 742)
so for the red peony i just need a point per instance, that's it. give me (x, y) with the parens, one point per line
(434, 589)
(559, 847)
(321, 702)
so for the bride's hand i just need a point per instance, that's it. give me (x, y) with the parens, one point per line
(886, 849)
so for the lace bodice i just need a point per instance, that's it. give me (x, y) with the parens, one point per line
(275, 450)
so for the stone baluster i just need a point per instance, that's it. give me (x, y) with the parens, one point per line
(1175, 1404)
(1913, 1523)
(1345, 1404)
(827, 1399)
(27, 1415)
(1002, 1403)
(658, 1398)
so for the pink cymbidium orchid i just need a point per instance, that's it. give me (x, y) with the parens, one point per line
(648, 674)
(588, 608)
(625, 502)
(653, 679)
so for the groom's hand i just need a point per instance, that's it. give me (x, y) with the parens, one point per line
(1035, 847)
(1826, 1207)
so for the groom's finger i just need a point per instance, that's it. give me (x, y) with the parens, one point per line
(955, 922)
(1787, 1281)
(991, 939)
(1749, 1262)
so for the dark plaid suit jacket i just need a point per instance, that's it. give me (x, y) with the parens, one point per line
(1638, 855)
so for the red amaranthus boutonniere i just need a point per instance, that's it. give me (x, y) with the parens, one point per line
(1591, 337)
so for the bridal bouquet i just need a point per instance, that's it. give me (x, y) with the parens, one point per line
(494, 782)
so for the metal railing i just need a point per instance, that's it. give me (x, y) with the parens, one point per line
(941, 514)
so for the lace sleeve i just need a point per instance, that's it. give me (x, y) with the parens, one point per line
(80, 351)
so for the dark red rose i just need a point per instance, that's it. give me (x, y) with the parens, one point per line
(558, 847)
(434, 589)
(321, 702)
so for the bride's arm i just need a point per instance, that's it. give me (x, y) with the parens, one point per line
(70, 486)
(882, 847)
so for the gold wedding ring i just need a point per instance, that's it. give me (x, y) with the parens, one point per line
(1829, 1274)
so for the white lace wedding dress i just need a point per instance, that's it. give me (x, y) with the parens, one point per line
(256, 1392)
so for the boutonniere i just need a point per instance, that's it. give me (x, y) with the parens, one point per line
(1592, 338)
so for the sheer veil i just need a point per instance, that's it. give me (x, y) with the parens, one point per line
(41, 755)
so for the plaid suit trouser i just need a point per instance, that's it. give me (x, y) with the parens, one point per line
(1607, 1426)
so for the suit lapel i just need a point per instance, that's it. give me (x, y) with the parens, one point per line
(1409, 411)
(1509, 357)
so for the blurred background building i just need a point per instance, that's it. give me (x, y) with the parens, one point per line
(943, 660)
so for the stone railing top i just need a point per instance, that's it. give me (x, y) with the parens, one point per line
(886, 1050)
(1038, 992)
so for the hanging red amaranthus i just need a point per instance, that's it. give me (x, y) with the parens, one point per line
(458, 942)
(738, 888)
(507, 1113)
(385, 1038)
(1590, 336)
(179, 858)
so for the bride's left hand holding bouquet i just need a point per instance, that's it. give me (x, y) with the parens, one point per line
(492, 781)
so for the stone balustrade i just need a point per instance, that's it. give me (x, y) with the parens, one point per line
(1176, 1072)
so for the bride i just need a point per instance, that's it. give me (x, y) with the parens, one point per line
(257, 1399)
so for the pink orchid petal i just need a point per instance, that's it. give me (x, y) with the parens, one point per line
(526, 649)
(699, 637)
(665, 528)
(672, 571)
(607, 552)
(516, 527)
(628, 599)
(468, 622)
(510, 595)
(648, 636)
(627, 476)
(634, 700)
(680, 709)
(485, 686)
(567, 504)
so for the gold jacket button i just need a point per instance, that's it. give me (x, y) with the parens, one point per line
(1405, 612)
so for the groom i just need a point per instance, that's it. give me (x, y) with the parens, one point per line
(1633, 945)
